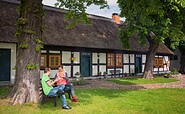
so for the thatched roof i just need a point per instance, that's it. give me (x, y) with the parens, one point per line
(101, 34)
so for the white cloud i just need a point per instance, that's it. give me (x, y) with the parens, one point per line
(112, 2)
(95, 9)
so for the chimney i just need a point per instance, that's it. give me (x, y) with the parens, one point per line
(116, 18)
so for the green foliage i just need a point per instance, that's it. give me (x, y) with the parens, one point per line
(31, 66)
(164, 18)
(38, 40)
(175, 71)
(77, 10)
(17, 33)
(21, 21)
(37, 49)
(28, 31)
(23, 46)
(124, 38)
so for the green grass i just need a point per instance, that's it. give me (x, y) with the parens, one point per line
(109, 101)
(131, 81)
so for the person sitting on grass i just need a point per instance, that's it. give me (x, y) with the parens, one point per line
(63, 80)
(49, 90)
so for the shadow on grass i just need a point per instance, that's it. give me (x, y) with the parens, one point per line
(85, 96)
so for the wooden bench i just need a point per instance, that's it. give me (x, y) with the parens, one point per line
(43, 97)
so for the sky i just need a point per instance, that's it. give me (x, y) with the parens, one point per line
(95, 10)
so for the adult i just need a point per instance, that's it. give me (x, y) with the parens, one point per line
(62, 78)
(49, 90)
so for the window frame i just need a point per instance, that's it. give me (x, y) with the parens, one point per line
(119, 59)
(114, 63)
(158, 62)
(45, 60)
(110, 64)
(56, 64)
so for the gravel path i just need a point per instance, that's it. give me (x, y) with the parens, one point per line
(103, 83)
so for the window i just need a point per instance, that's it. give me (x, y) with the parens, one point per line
(119, 59)
(110, 60)
(43, 59)
(158, 62)
(54, 61)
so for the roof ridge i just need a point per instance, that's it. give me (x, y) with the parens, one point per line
(51, 8)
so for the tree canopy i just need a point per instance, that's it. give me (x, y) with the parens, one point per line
(160, 19)
(153, 21)
(77, 9)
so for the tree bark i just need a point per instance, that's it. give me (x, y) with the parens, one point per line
(148, 71)
(182, 61)
(26, 86)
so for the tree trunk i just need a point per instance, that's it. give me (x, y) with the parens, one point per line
(26, 87)
(182, 62)
(148, 71)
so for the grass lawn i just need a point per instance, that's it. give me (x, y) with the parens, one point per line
(131, 81)
(108, 101)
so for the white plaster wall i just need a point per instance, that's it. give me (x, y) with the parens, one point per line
(132, 69)
(66, 57)
(126, 69)
(13, 58)
(132, 60)
(143, 58)
(143, 68)
(43, 51)
(155, 69)
(58, 52)
(102, 68)
(120, 69)
(77, 57)
(68, 70)
(108, 70)
(165, 68)
(94, 69)
(166, 58)
(125, 58)
(160, 69)
(75, 69)
(102, 57)
(94, 58)
(41, 73)
(53, 73)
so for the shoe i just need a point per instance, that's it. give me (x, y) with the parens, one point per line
(66, 107)
(60, 92)
(74, 99)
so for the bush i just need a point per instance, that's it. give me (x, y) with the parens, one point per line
(175, 71)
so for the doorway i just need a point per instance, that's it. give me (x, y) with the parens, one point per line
(138, 64)
(5, 62)
(85, 64)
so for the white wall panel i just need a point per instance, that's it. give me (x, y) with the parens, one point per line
(102, 57)
(66, 57)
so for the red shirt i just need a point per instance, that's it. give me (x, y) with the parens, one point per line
(61, 79)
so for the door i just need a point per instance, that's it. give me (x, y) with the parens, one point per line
(85, 64)
(5, 55)
(138, 64)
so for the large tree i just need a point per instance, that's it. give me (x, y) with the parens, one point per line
(182, 61)
(153, 21)
(29, 34)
